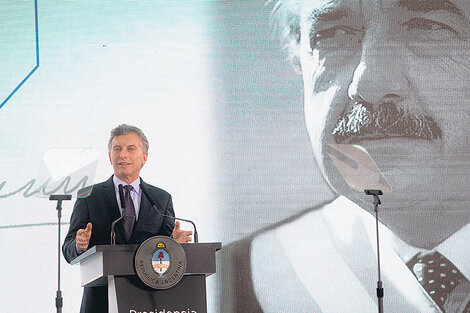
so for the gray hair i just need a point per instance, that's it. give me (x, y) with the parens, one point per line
(285, 16)
(125, 129)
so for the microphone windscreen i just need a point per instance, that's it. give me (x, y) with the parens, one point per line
(121, 195)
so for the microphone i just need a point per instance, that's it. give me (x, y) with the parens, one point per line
(152, 202)
(113, 224)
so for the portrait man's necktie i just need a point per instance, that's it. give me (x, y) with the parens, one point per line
(129, 211)
(444, 283)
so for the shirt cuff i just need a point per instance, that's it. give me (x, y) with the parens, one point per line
(79, 251)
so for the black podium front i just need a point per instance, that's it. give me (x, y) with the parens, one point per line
(114, 266)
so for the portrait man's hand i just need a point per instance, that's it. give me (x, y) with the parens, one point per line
(83, 237)
(181, 236)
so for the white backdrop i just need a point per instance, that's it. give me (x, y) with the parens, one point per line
(204, 80)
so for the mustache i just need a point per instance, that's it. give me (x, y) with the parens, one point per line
(387, 120)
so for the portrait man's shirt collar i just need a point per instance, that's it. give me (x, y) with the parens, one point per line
(342, 219)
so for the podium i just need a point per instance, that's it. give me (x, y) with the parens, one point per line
(114, 266)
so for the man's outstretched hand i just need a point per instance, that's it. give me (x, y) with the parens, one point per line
(181, 236)
(83, 237)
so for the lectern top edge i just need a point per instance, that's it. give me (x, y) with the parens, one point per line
(121, 248)
(102, 248)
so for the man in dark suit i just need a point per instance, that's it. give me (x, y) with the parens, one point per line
(90, 223)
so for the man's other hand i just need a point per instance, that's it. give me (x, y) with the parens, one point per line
(83, 237)
(181, 236)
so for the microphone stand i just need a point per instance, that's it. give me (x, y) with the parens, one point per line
(59, 199)
(380, 291)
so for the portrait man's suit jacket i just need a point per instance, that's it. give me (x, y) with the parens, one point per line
(101, 209)
(309, 265)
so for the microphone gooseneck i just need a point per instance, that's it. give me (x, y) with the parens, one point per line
(153, 204)
(113, 224)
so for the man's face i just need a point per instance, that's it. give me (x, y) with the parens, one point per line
(127, 156)
(393, 77)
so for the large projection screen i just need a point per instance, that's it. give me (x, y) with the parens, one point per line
(239, 101)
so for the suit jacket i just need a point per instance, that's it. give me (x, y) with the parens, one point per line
(311, 265)
(101, 209)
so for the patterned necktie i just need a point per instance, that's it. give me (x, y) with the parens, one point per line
(129, 211)
(444, 283)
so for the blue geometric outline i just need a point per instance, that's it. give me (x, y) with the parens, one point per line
(37, 57)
